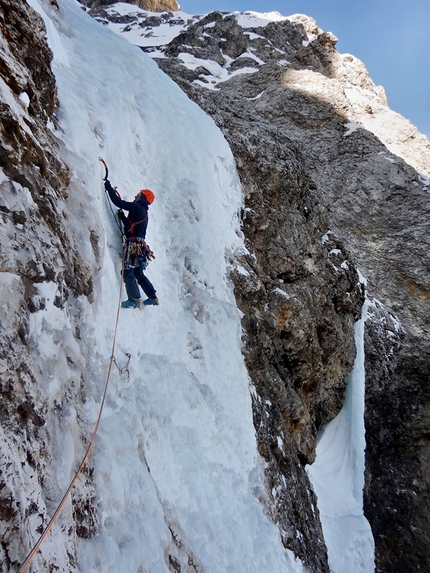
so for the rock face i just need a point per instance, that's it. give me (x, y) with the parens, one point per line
(36, 248)
(28, 151)
(151, 5)
(332, 179)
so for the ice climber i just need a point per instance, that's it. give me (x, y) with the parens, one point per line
(137, 254)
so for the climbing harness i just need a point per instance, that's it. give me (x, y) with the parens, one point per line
(133, 225)
(136, 253)
(123, 370)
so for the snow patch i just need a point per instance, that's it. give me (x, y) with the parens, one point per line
(281, 292)
(241, 270)
(3, 176)
(257, 19)
(216, 72)
(249, 54)
(24, 99)
(387, 157)
(254, 99)
(361, 278)
(158, 36)
(326, 237)
(350, 128)
(254, 36)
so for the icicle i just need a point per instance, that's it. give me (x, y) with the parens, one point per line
(338, 475)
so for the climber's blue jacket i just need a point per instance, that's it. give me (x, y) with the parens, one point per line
(137, 221)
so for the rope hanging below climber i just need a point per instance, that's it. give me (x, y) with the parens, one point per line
(123, 370)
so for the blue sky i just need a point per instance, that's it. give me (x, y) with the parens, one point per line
(391, 37)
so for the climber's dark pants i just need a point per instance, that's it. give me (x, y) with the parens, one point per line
(135, 276)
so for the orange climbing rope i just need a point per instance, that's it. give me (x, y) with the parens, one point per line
(87, 453)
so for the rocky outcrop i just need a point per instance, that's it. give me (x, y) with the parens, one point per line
(332, 179)
(37, 249)
(151, 5)
(28, 151)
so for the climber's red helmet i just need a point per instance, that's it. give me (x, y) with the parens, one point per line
(148, 194)
(145, 194)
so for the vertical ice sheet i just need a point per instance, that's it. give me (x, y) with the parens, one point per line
(337, 476)
(176, 450)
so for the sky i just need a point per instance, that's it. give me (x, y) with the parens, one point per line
(390, 36)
